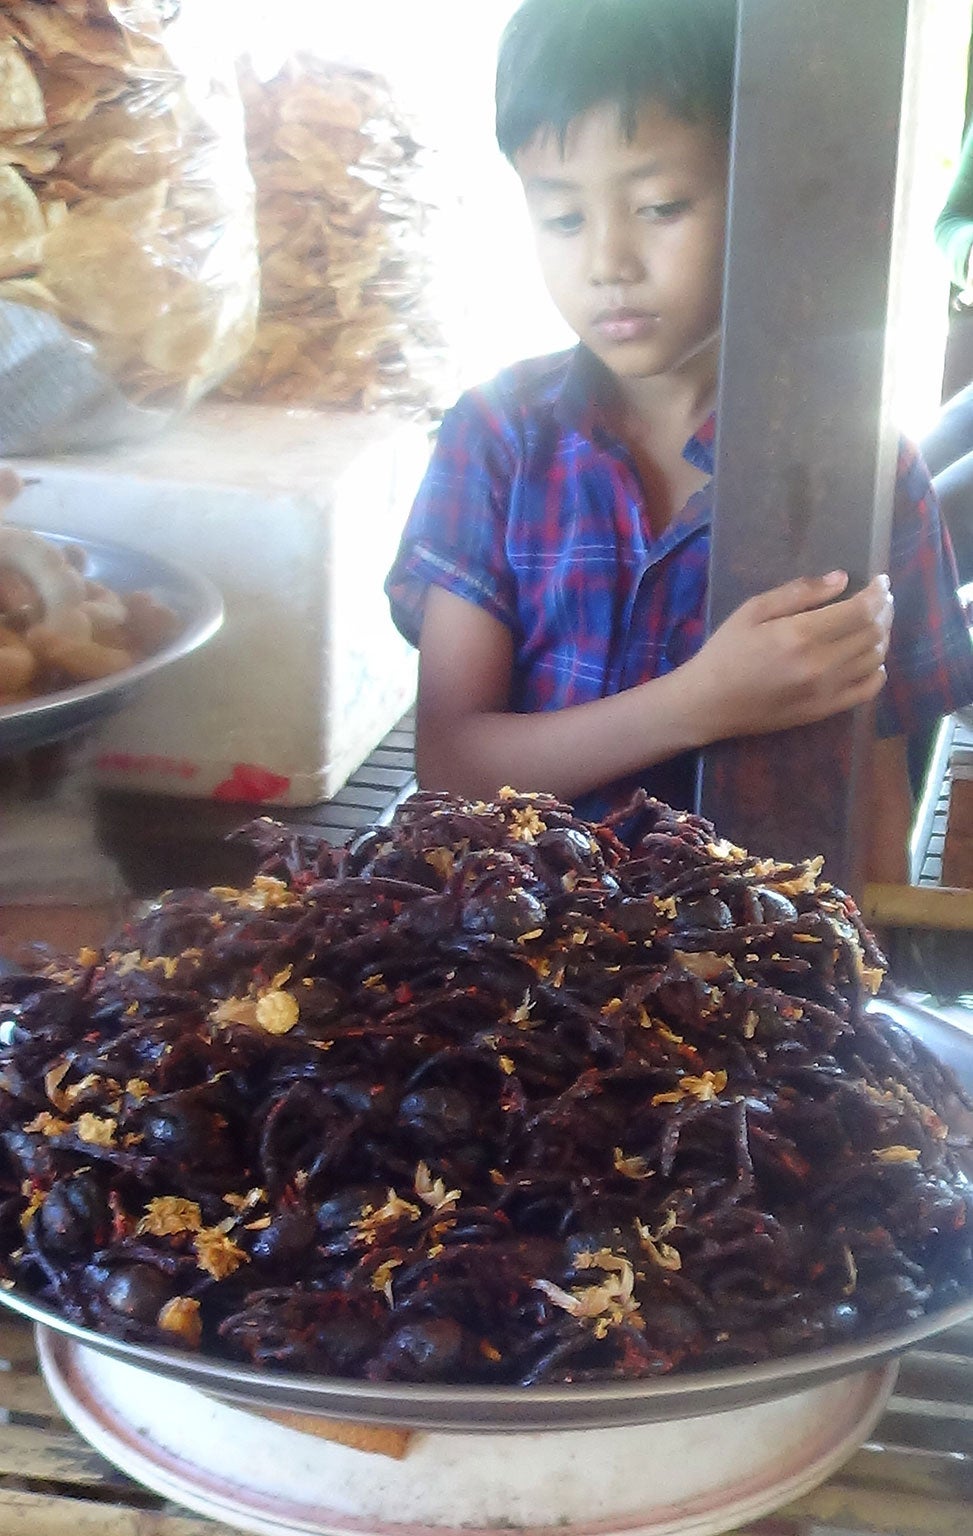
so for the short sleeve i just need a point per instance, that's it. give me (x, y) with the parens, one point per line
(455, 536)
(930, 659)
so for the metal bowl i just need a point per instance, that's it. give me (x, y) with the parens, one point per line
(193, 598)
(584, 1406)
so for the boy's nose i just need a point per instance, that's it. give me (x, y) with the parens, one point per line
(614, 257)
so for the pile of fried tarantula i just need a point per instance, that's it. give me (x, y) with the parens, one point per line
(490, 1095)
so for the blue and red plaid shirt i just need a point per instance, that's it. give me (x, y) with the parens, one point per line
(533, 510)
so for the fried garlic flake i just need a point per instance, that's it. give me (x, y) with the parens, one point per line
(181, 1316)
(797, 884)
(107, 1087)
(52, 1083)
(665, 1031)
(125, 963)
(871, 976)
(267, 891)
(247, 1202)
(723, 849)
(167, 964)
(37, 1198)
(169, 1214)
(96, 1130)
(705, 1088)
(382, 1279)
(434, 1192)
(441, 860)
(704, 964)
(277, 1012)
(631, 1167)
(236, 1010)
(217, 1253)
(521, 1014)
(605, 1305)
(395, 1209)
(660, 1252)
(526, 825)
(47, 1124)
(897, 1154)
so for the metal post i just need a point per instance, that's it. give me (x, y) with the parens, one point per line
(805, 451)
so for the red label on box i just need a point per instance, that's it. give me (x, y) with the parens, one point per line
(151, 762)
(251, 783)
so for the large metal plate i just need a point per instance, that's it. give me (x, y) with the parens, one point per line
(557, 1407)
(192, 597)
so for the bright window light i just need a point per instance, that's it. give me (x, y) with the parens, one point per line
(440, 56)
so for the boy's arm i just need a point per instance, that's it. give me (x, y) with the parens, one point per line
(468, 741)
(785, 658)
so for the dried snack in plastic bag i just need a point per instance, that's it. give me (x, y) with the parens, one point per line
(128, 270)
(345, 201)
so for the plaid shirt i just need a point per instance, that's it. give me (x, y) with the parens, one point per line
(533, 510)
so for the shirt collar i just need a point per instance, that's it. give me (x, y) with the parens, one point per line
(701, 448)
(586, 393)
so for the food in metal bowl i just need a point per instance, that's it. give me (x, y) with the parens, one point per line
(490, 1095)
(58, 627)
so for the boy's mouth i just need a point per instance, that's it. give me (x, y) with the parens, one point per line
(618, 325)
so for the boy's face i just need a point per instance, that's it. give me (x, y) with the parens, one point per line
(630, 235)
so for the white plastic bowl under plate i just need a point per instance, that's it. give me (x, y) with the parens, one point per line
(688, 1477)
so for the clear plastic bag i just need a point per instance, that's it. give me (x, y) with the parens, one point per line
(346, 205)
(128, 268)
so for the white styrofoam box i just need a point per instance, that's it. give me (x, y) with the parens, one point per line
(295, 515)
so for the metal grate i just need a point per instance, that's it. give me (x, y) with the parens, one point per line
(929, 836)
(374, 790)
(914, 1478)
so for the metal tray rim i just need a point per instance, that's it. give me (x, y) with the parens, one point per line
(558, 1407)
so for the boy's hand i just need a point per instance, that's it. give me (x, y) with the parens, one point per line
(793, 655)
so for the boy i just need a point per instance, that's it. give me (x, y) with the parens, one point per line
(553, 571)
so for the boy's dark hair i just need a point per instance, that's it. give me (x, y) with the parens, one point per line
(560, 58)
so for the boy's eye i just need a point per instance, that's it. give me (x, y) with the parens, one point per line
(562, 223)
(662, 213)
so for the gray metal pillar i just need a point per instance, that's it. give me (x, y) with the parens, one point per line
(805, 450)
